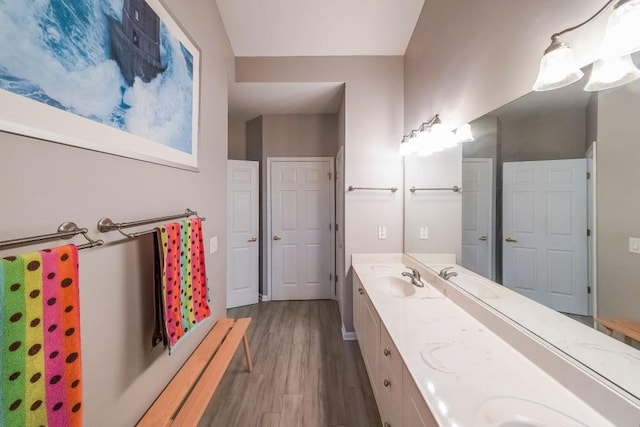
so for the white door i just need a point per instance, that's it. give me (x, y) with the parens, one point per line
(545, 232)
(477, 216)
(242, 233)
(301, 222)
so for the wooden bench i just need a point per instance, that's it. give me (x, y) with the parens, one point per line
(628, 328)
(184, 400)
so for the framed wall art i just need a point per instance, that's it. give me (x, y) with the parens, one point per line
(116, 76)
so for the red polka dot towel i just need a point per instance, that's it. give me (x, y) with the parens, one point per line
(183, 278)
(40, 339)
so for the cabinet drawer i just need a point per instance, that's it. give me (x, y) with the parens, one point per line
(390, 378)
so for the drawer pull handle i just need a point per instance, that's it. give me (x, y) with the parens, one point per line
(360, 291)
(386, 383)
(387, 352)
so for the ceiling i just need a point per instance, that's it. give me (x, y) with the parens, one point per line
(319, 27)
(249, 100)
(310, 28)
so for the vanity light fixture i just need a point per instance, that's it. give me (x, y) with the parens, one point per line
(432, 137)
(558, 67)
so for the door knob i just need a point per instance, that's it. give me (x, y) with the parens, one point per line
(483, 238)
(510, 240)
(253, 239)
(277, 238)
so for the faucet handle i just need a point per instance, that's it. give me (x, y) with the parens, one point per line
(444, 271)
(415, 273)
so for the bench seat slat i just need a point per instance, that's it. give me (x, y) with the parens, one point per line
(195, 406)
(174, 394)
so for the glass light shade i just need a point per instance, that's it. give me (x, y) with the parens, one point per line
(623, 30)
(443, 136)
(464, 134)
(558, 68)
(610, 73)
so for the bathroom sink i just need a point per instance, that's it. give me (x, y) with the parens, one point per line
(516, 412)
(394, 285)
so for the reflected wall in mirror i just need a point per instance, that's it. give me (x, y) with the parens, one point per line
(548, 183)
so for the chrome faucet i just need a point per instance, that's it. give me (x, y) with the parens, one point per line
(446, 274)
(414, 276)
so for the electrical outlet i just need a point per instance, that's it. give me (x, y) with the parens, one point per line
(213, 244)
(634, 245)
(424, 233)
(382, 233)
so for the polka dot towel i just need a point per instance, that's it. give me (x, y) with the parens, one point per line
(183, 278)
(40, 339)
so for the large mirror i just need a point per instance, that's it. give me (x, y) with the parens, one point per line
(549, 208)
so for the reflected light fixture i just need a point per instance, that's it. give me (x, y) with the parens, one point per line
(464, 134)
(558, 67)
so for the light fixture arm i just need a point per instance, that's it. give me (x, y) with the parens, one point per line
(555, 36)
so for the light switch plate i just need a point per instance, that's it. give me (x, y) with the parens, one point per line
(382, 233)
(634, 245)
(424, 233)
(213, 244)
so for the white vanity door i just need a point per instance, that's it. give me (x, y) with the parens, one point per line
(545, 232)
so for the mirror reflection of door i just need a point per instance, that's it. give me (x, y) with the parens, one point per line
(545, 232)
(477, 216)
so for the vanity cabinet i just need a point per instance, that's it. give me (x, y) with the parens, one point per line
(399, 401)
(415, 412)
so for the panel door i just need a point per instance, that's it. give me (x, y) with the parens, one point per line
(301, 234)
(477, 216)
(242, 233)
(545, 232)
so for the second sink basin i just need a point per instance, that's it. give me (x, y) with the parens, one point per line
(516, 412)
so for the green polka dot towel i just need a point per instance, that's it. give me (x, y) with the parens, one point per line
(40, 339)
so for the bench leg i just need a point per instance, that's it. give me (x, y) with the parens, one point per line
(247, 354)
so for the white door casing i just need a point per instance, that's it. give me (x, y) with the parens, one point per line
(477, 216)
(339, 234)
(242, 233)
(301, 208)
(545, 232)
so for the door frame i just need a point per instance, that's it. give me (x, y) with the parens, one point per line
(332, 219)
(492, 210)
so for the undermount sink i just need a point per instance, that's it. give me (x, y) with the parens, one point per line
(516, 412)
(394, 285)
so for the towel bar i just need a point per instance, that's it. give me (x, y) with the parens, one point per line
(106, 225)
(66, 231)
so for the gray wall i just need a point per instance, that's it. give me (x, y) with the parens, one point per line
(299, 135)
(45, 184)
(618, 202)
(373, 130)
(553, 136)
(237, 139)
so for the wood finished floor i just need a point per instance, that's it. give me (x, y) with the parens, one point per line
(304, 373)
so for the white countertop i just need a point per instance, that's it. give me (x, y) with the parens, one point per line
(458, 364)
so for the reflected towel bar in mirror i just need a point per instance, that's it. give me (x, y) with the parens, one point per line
(455, 189)
(66, 230)
(106, 225)
(392, 189)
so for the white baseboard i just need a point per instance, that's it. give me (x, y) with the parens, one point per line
(348, 336)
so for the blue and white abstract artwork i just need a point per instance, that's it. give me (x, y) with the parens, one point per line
(114, 62)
